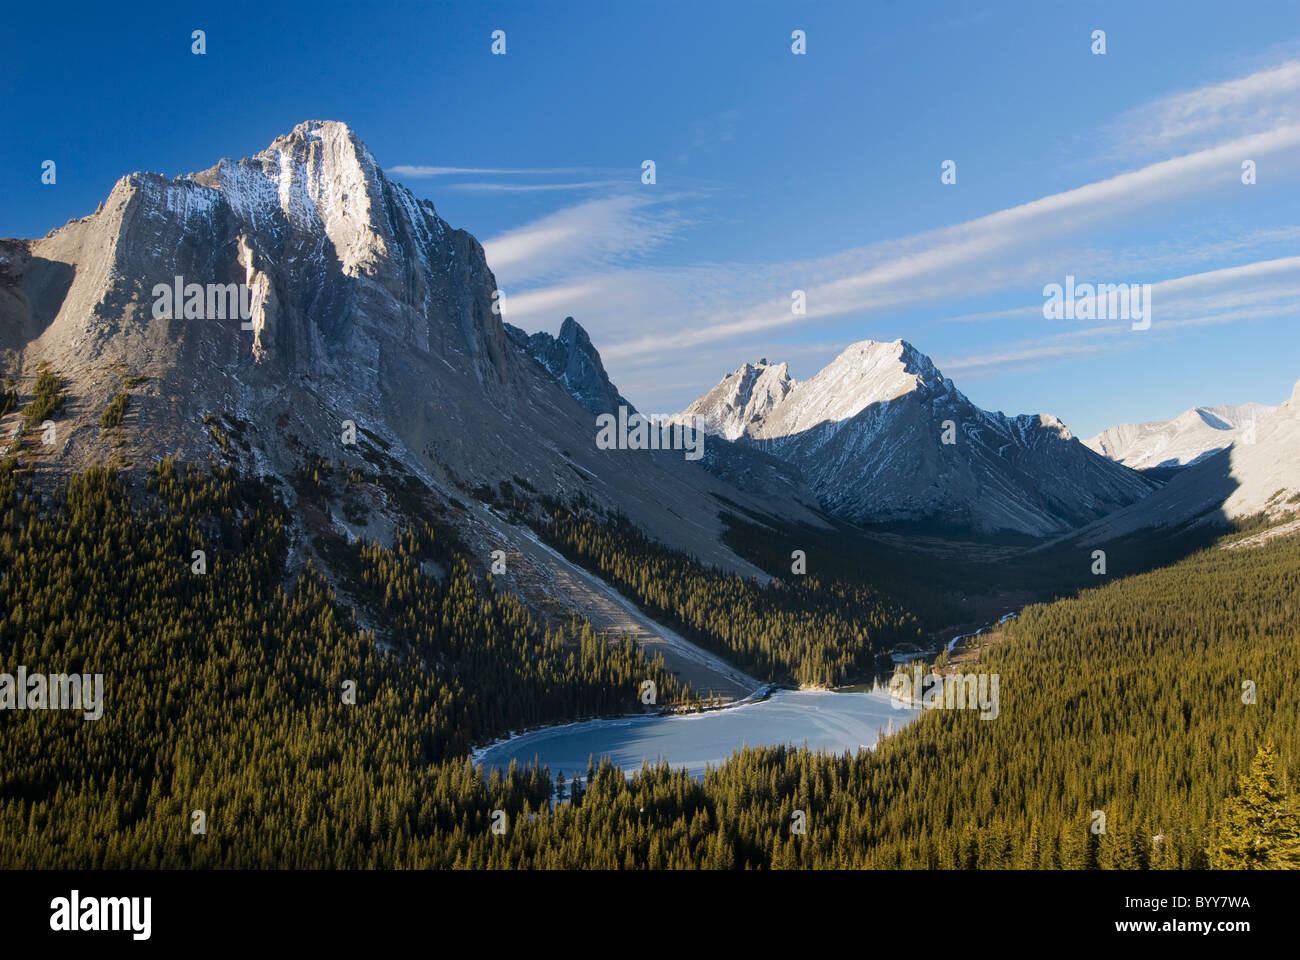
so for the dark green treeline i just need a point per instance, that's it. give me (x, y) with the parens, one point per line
(807, 629)
(223, 695)
(223, 691)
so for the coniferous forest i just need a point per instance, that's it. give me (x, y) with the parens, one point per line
(806, 629)
(443, 443)
(225, 692)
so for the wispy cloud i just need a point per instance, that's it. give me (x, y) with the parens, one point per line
(1002, 250)
(602, 233)
(1113, 338)
(404, 170)
(1012, 356)
(1101, 264)
(995, 315)
(592, 259)
(1264, 100)
(1251, 291)
(532, 187)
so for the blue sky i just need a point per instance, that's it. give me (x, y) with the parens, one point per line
(775, 172)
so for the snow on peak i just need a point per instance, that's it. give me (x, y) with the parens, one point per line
(323, 179)
(866, 373)
(896, 361)
(867, 434)
(762, 399)
(1186, 439)
(742, 398)
(324, 173)
(1198, 416)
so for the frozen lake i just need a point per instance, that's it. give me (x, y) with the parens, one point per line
(833, 722)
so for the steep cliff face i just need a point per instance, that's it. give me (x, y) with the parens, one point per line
(574, 362)
(364, 305)
(355, 249)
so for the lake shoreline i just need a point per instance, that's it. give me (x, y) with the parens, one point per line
(764, 692)
(821, 720)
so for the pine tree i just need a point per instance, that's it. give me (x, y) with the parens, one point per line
(1120, 847)
(1074, 845)
(1260, 829)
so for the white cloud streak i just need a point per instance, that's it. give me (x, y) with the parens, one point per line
(590, 260)
(1264, 100)
(998, 251)
(406, 170)
(475, 187)
(601, 233)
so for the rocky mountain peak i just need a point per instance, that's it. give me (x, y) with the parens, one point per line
(894, 367)
(881, 435)
(575, 338)
(351, 281)
(770, 375)
(573, 360)
(1190, 437)
(323, 179)
(367, 309)
(1052, 425)
(741, 399)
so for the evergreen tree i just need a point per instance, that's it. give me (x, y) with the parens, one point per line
(1260, 829)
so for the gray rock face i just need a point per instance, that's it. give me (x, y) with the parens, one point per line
(867, 433)
(574, 362)
(743, 399)
(365, 306)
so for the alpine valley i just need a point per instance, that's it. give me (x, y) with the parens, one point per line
(346, 541)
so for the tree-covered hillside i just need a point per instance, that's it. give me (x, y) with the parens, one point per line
(1144, 700)
(809, 629)
(224, 689)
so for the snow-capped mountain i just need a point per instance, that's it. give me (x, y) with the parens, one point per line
(881, 435)
(365, 306)
(575, 364)
(1258, 473)
(742, 399)
(1186, 439)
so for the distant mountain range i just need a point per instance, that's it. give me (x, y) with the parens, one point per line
(1259, 473)
(1188, 438)
(882, 436)
(366, 306)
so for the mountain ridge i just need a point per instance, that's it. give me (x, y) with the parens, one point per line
(366, 307)
(573, 360)
(1181, 441)
(882, 436)
(1258, 475)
